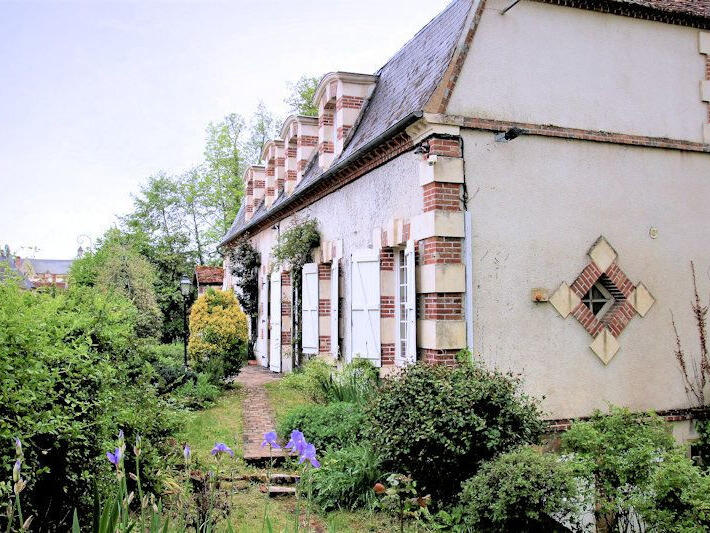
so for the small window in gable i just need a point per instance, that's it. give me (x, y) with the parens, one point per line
(598, 300)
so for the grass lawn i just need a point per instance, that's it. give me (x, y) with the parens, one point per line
(283, 398)
(221, 423)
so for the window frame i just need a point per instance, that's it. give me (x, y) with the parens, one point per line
(609, 300)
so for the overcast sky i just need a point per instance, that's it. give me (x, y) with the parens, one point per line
(96, 96)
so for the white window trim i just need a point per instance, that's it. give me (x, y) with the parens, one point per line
(410, 328)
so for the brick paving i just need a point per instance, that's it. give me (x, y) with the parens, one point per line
(258, 416)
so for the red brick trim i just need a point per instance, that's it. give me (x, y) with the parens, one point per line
(438, 357)
(349, 102)
(307, 140)
(438, 250)
(446, 196)
(325, 119)
(548, 130)
(387, 354)
(441, 306)
(323, 271)
(286, 278)
(324, 344)
(387, 259)
(386, 306)
(326, 147)
(446, 147)
(286, 338)
(670, 415)
(286, 308)
(323, 307)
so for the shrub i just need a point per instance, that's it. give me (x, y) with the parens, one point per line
(357, 382)
(522, 490)
(328, 426)
(197, 394)
(438, 423)
(346, 478)
(307, 378)
(621, 450)
(218, 334)
(678, 497)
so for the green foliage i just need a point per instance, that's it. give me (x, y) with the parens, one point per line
(440, 423)
(300, 98)
(245, 261)
(307, 379)
(356, 383)
(621, 452)
(327, 427)
(197, 394)
(677, 498)
(346, 478)
(522, 490)
(262, 127)
(218, 334)
(702, 446)
(294, 246)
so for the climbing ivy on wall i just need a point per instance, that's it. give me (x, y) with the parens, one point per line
(292, 251)
(245, 261)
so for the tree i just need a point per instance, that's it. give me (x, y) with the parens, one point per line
(263, 126)
(300, 98)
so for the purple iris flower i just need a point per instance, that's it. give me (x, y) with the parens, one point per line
(115, 457)
(297, 442)
(221, 447)
(186, 452)
(16, 471)
(120, 434)
(270, 440)
(18, 446)
(309, 453)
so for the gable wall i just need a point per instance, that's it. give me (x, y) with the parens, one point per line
(537, 206)
(548, 64)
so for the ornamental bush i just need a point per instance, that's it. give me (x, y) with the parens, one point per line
(439, 423)
(218, 334)
(328, 427)
(523, 490)
(346, 478)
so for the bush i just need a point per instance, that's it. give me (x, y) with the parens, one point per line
(168, 365)
(197, 394)
(622, 451)
(356, 383)
(218, 335)
(345, 479)
(307, 378)
(438, 423)
(678, 497)
(328, 426)
(522, 490)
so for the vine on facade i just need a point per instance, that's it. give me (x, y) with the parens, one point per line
(245, 261)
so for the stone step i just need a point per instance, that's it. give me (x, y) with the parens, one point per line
(285, 479)
(278, 490)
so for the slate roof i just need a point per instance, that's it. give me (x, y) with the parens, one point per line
(52, 266)
(207, 275)
(406, 82)
(8, 268)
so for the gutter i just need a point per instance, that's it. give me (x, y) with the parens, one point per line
(334, 169)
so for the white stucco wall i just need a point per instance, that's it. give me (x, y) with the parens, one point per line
(537, 205)
(351, 214)
(569, 67)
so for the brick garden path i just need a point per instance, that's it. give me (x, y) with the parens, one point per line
(258, 417)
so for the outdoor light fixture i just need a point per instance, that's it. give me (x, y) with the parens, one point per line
(509, 135)
(185, 289)
(422, 148)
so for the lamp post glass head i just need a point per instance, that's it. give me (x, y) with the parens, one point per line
(185, 286)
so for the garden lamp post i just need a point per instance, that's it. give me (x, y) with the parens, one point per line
(185, 289)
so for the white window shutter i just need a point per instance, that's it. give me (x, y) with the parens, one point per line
(275, 333)
(411, 307)
(263, 338)
(309, 308)
(365, 306)
(334, 308)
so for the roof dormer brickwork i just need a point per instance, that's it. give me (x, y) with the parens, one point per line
(340, 96)
(255, 187)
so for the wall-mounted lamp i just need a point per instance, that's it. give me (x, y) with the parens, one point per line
(509, 135)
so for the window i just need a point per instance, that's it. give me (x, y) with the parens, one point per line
(598, 299)
(401, 304)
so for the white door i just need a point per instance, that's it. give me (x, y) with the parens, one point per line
(275, 323)
(262, 345)
(365, 306)
(334, 309)
(309, 308)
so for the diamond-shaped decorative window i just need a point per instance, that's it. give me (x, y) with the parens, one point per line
(602, 299)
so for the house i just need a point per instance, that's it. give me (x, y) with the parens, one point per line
(38, 273)
(528, 179)
(208, 276)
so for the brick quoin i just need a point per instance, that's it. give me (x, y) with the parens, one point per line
(285, 338)
(349, 102)
(302, 164)
(291, 175)
(326, 147)
(386, 306)
(286, 278)
(269, 191)
(446, 196)
(325, 119)
(406, 231)
(439, 250)
(323, 307)
(259, 184)
(324, 343)
(441, 306)
(323, 271)
(387, 354)
(447, 147)
(307, 140)
(285, 308)
(291, 151)
(342, 131)
(387, 259)
(438, 357)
